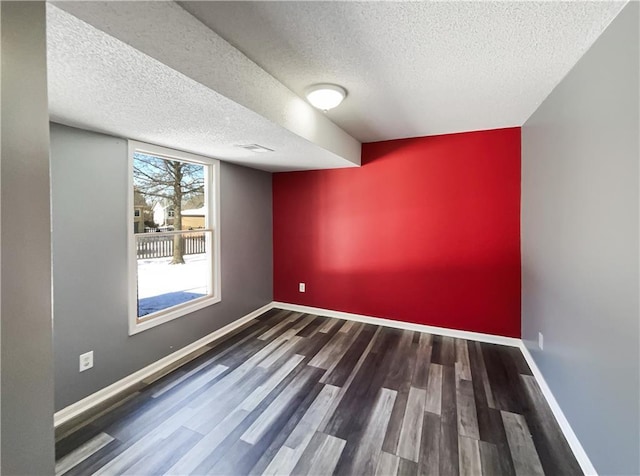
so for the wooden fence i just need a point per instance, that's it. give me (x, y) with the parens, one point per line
(149, 245)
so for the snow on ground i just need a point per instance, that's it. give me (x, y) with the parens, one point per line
(162, 285)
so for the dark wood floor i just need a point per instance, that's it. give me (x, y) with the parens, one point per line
(294, 393)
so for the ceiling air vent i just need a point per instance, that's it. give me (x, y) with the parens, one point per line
(256, 148)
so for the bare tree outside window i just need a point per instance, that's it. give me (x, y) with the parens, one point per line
(172, 182)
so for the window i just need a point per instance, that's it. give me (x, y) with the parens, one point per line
(174, 268)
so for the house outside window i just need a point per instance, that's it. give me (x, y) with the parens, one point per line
(174, 269)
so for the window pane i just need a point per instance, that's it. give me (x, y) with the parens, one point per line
(161, 284)
(172, 268)
(167, 194)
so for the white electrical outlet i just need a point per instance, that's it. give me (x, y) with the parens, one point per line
(301, 287)
(86, 361)
(540, 340)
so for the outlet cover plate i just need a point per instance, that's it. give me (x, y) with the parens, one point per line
(86, 361)
(540, 341)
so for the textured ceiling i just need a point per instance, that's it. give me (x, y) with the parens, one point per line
(99, 83)
(416, 68)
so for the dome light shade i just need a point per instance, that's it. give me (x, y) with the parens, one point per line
(325, 96)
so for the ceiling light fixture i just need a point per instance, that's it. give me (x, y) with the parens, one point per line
(325, 96)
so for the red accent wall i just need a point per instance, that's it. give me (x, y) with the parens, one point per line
(426, 231)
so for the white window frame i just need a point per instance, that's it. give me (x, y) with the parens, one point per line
(212, 222)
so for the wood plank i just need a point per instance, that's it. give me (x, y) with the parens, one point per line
(82, 452)
(291, 451)
(338, 374)
(240, 354)
(283, 462)
(407, 468)
(469, 461)
(448, 424)
(402, 363)
(287, 318)
(131, 455)
(200, 451)
(523, 451)
(264, 453)
(226, 346)
(423, 361)
(411, 433)
(492, 430)
(490, 425)
(359, 399)
(280, 403)
(490, 459)
(552, 447)
(392, 437)
(466, 410)
(312, 419)
(430, 447)
(462, 359)
(158, 460)
(387, 464)
(505, 382)
(222, 397)
(151, 413)
(321, 456)
(97, 460)
(519, 361)
(278, 317)
(304, 322)
(328, 325)
(268, 314)
(234, 456)
(237, 459)
(313, 327)
(285, 348)
(366, 455)
(174, 365)
(483, 375)
(443, 352)
(433, 401)
(347, 385)
(260, 354)
(220, 400)
(206, 377)
(400, 377)
(261, 392)
(347, 326)
(81, 429)
(333, 351)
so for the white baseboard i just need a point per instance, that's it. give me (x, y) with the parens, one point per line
(75, 409)
(572, 439)
(379, 321)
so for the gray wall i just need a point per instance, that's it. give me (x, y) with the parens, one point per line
(27, 373)
(580, 153)
(89, 199)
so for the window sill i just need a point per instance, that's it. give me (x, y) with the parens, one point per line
(161, 317)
